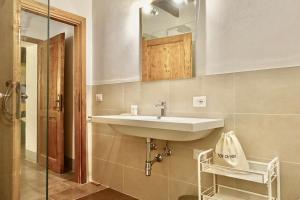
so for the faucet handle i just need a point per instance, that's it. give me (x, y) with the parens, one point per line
(161, 104)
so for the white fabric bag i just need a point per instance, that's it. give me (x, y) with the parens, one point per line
(230, 152)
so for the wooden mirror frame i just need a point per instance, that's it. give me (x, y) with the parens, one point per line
(79, 86)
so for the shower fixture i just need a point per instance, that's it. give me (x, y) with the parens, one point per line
(2, 95)
(5, 97)
(6, 100)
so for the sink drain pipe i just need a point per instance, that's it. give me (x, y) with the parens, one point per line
(148, 164)
(150, 146)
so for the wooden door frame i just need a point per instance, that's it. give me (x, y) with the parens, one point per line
(79, 85)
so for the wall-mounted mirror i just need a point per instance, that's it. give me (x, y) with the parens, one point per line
(168, 39)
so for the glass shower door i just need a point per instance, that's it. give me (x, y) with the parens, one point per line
(34, 89)
(9, 124)
(22, 174)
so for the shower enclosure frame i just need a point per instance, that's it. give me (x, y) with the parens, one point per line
(79, 86)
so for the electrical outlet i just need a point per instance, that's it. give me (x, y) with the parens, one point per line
(196, 153)
(199, 101)
(99, 97)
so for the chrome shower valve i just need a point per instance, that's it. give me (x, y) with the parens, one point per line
(3, 95)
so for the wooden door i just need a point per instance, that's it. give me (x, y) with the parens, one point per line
(54, 97)
(167, 58)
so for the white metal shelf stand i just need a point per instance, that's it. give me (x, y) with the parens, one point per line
(259, 172)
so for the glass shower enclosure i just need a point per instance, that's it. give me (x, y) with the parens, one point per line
(23, 103)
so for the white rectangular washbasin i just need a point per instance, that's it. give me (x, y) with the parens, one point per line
(165, 128)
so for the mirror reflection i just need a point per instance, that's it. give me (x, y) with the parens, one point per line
(168, 38)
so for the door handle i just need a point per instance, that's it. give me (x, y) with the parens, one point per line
(59, 103)
(18, 100)
(23, 94)
(24, 97)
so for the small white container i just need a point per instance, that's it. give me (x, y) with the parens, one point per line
(134, 110)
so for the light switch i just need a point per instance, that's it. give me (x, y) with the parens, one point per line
(199, 101)
(99, 97)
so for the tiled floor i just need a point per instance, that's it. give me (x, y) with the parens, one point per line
(61, 187)
(76, 192)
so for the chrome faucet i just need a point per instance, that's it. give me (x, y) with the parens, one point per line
(163, 107)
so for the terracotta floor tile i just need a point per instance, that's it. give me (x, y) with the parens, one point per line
(32, 194)
(58, 187)
(61, 187)
(77, 192)
(91, 188)
(70, 183)
(33, 182)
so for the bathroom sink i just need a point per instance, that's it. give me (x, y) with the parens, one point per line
(165, 128)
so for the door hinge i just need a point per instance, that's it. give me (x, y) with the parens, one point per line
(59, 103)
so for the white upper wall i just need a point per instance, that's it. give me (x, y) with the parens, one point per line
(233, 35)
(31, 102)
(116, 41)
(245, 35)
(82, 8)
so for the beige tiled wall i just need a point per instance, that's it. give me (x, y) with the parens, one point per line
(263, 107)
